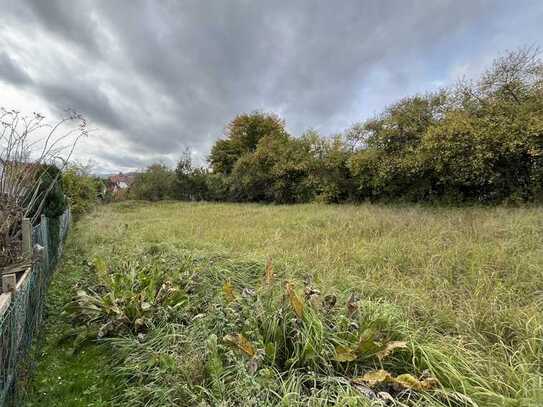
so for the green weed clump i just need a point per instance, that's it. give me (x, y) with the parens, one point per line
(132, 295)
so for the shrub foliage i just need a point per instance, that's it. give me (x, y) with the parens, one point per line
(83, 189)
(479, 141)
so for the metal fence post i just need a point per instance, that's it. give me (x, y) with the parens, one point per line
(45, 238)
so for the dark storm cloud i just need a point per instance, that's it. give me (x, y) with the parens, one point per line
(168, 74)
(83, 97)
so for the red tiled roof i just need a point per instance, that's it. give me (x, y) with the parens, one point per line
(116, 179)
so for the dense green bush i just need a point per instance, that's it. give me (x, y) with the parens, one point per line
(330, 176)
(156, 183)
(242, 136)
(83, 189)
(277, 171)
(480, 141)
(190, 182)
(50, 187)
(217, 187)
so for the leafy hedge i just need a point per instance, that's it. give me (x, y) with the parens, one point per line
(479, 141)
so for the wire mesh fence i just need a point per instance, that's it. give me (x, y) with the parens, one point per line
(21, 311)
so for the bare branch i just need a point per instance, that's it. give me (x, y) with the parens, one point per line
(28, 146)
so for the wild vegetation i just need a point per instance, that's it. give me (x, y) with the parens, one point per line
(352, 305)
(83, 189)
(33, 153)
(228, 304)
(479, 141)
(66, 376)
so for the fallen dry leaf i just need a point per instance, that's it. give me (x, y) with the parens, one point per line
(390, 348)
(228, 290)
(374, 378)
(295, 302)
(329, 302)
(366, 345)
(241, 343)
(408, 381)
(344, 354)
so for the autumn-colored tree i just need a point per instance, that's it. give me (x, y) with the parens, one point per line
(241, 137)
(489, 147)
(480, 141)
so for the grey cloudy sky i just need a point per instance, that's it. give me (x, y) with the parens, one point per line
(156, 76)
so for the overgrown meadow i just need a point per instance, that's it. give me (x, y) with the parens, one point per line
(230, 304)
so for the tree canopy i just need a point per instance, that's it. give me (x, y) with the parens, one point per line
(242, 136)
(478, 141)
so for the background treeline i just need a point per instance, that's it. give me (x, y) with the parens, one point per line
(478, 141)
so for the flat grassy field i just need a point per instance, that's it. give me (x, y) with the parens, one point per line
(450, 297)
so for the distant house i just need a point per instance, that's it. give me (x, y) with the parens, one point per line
(119, 183)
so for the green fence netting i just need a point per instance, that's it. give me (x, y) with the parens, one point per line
(22, 318)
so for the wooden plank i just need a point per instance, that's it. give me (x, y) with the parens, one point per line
(27, 238)
(14, 269)
(23, 278)
(5, 300)
(45, 238)
(9, 283)
(6, 297)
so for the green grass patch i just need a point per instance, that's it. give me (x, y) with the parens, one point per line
(62, 375)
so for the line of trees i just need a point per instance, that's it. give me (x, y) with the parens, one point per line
(478, 141)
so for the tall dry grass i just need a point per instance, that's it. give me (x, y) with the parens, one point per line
(467, 281)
